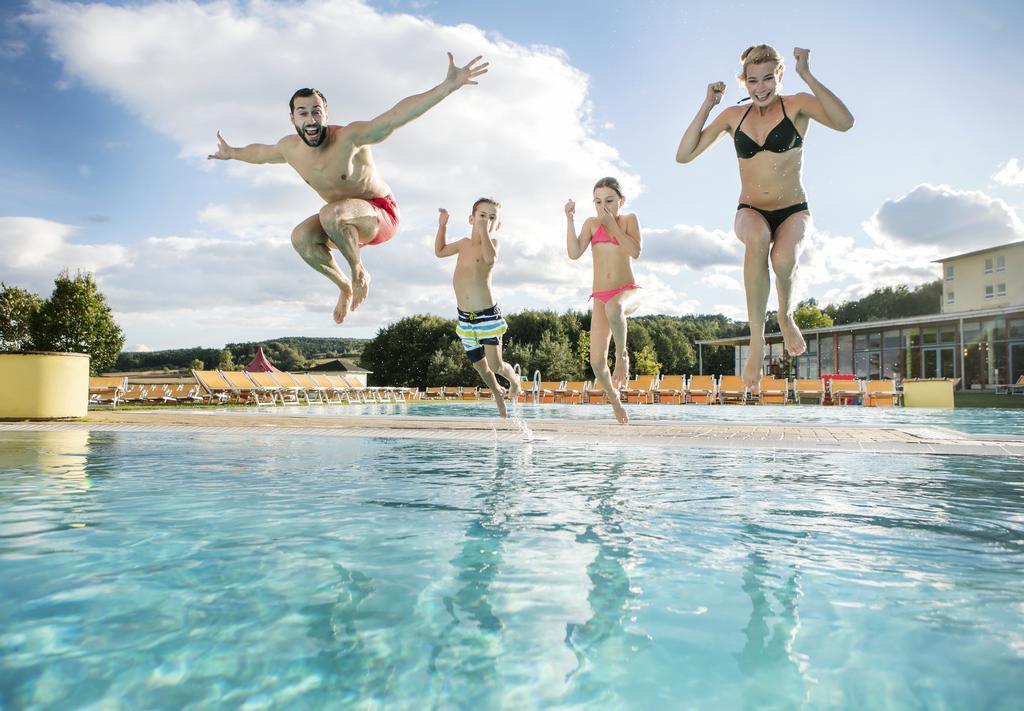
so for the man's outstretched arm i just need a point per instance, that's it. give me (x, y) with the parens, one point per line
(412, 107)
(253, 153)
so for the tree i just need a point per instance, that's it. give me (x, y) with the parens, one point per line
(18, 307)
(226, 361)
(400, 354)
(808, 315)
(645, 362)
(197, 365)
(77, 319)
(554, 357)
(284, 356)
(450, 366)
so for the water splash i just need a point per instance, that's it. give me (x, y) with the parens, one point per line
(523, 427)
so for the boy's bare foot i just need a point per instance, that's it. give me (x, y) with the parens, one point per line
(619, 410)
(514, 388)
(360, 287)
(753, 368)
(344, 304)
(500, 402)
(620, 376)
(791, 335)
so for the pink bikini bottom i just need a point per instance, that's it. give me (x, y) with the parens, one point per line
(609, 294)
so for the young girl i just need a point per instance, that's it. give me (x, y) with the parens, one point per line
(615, 242)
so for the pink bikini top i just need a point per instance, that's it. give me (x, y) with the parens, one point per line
(601, 235)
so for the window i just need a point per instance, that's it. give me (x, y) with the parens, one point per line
(989, 292)
(988, 265)
(1000, 264)
(1000, 289)
(949, 272)
(950, 297)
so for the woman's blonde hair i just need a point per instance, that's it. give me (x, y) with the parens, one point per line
(759, 54)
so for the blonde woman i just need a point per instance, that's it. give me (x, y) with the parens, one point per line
(773, 217)
(614, 241)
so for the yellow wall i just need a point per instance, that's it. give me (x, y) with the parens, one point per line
(43, 385)
(970, 279)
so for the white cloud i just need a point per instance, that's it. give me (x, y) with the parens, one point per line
(36, 250)
(188, 69)
(717, 280)
(1010, 174)
(691, 246)
(937, 221)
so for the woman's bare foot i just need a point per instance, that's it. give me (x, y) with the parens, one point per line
(752, 370)
(620, 376)
(344, 304)
(360, 287)
(618, 409)
(791, 335)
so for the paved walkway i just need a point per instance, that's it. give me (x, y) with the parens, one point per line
(840, 438)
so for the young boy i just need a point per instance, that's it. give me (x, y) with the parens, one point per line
(480, 322)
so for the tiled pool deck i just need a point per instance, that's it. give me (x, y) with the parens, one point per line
(896, 439)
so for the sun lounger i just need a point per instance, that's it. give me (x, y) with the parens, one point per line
(356, 389)
(133, 394)
(702, 388)
(545, 390)
(158, 393)
(332, 394)
(288, 382)
(731, 389)
(213, 385)
(671, 388)
(806, 388)
(570, 392)
(314, 391)
(106, 389)
(246, 390)
(772, 391)
(639, 389)
(266, 380)
(845, 392)
(880, 393)
(1017, 388)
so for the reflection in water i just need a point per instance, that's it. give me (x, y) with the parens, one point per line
(775, 671)
(602, 645)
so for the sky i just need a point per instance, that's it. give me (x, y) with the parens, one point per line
(110, 108)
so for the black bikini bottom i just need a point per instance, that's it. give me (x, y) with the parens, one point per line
(775, 217)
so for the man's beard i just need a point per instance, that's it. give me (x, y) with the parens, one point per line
(316, 142)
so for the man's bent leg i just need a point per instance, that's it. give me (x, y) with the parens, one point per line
(350, 223)
(310, 241)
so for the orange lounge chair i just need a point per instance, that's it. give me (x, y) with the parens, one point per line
(545, 390)
(809, 388)
(571, 392)
(107, 389)
(772, 391)
(669, 388)
(702, 388)
(246, 390)
(731, 389)
(314, 391)
(213, 384)
(880, 393)
(844, 392)
(639, 389)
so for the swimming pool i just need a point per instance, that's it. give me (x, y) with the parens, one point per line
(278, 570)
(1009, 421)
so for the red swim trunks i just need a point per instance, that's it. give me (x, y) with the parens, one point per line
(387, 219)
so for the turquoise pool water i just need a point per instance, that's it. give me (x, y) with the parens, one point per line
(1008, 421)
(215, 570)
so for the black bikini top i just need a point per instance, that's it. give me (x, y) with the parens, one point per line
(780, 139)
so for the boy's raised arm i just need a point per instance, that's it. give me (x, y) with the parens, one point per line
(253, 153)
(411, 107)
(441, 246)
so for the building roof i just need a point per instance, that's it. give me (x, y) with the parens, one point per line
(979, 251)
(337, 365)
(878, 325)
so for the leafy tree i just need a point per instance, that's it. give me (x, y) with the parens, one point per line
(18, 307)
(582, 353)
(197, 365)
(450, 366)
(400, 354)
(284, 356)
(808, 315)
(226, 361)
(77, 319)
(554, 357)
(645, 362)
(523, 355)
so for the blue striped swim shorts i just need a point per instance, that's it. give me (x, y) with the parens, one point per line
(481, 328)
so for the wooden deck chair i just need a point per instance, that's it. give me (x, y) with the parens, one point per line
(571, 392)
(807, 388)
(158, 393)
(356, 389)
(845, 392)
(186, 392)
(470, 392)
(247, 390)
(594, 394)
(881, 393)
(107, 389)
(639, 389)
(314, 391)
(545, 390)
(731, 389)
(213, 385)
(332, 394)
(134, 394)
(772, 391)
(287, 381)
(270, 385)
(702, 389)
(670, 388)
(433, 392)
